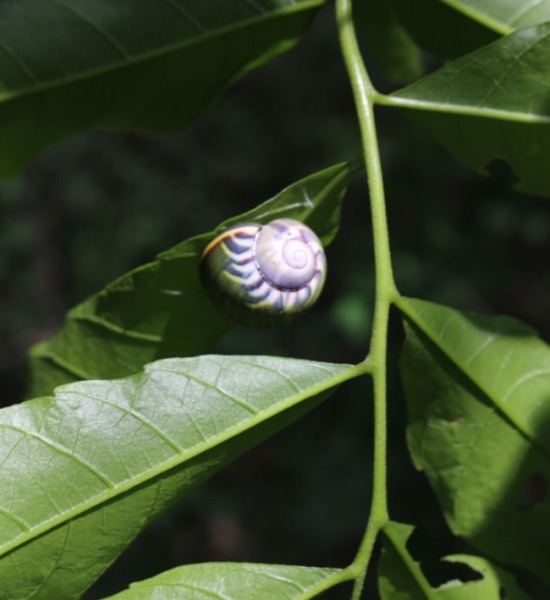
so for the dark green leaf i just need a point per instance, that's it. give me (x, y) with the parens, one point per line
(399, 56)
(440, 29)
(503, 16)
(399, 576)
(453, 28)
(477, 388)
(234, 581)
(161, 309)
(83, 472)
(134, 65)
(491, 105)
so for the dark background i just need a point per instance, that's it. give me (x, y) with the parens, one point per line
(95, 206)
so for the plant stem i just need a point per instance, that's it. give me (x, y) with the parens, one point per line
(365, 95)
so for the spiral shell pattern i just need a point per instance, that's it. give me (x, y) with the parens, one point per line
(264, 274)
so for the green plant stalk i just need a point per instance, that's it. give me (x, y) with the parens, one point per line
(365, 95)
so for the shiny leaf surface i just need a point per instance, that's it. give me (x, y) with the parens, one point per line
(232, 581)
(83, 472)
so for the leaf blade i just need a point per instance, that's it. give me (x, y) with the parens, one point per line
(503, 16)
(477, 434)
(133, 446)
(491, 105)
(97, 65)
(399, 576)
(230, 579)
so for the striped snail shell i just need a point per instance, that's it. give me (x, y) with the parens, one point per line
(264, 275)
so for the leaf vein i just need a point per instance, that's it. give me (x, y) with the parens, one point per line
(13, 56)
(61, 449)
(127, 410)
(207, 385)
(519, 382)
(93, 25)
(182, 11)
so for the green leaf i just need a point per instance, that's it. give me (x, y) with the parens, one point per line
(161, 309)
(143, 66)
(494, 582)
(234, 581)
(437, 27)
(477, 392)
(451, 28)
(491, 105)
(502, 16)
(84, 472)
(400, 577)
(400, 57)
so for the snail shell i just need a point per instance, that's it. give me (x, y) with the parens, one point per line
(264, 275)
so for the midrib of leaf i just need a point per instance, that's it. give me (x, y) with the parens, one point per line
(480, 17)
(135, 59)
(185, 456)
(462, 109)
(502, 408)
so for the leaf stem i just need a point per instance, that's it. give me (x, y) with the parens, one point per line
(365, 96)
(419, 104)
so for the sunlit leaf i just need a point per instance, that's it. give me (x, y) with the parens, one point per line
(83, 472)
(477, 389)
(233, 581)
(140, 65)
(161, 309)
(492, 104)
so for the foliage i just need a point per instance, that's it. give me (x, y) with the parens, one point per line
(86, 465)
